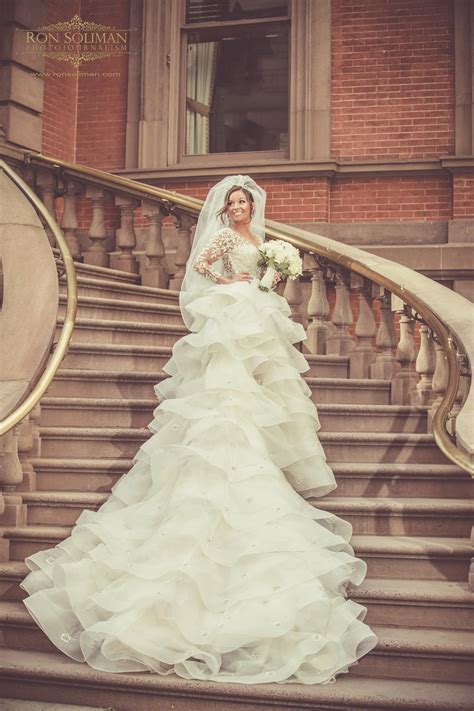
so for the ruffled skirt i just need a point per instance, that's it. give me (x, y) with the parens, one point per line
(205, 561)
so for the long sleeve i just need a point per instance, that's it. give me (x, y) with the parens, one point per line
(219, 245)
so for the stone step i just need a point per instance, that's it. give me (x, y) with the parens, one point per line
(420, 654)
(442, 655)
(104, 273)
(402, 517)
(384, 516)
(415, 557)
(25, 672)
(12, 573)
(97, 285)
(122, 357)
(397, 603)
(100, 330)
(135, 384)
(444, 481)
(123, 310)
(416, 603)
(22, 705)
(405, 480)
(372, 418)
(403, 557)
(110, 412)
(381, 447)
(339, 446)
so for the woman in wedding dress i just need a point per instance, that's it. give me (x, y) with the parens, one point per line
(206, 560)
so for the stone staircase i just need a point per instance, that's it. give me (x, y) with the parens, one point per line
(410, 509)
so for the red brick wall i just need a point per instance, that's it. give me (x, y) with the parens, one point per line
(60, 93)
(463, 195)
(391, 198)
(392, 97)
(392, 79)
(102, 100)
(84, 116)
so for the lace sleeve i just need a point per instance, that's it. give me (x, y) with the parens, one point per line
(219, 245)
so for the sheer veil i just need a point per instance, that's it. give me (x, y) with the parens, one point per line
(208, 225)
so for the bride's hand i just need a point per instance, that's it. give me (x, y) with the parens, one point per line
(243, 276)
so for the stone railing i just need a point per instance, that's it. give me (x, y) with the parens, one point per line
(391, 322)
(28, 314)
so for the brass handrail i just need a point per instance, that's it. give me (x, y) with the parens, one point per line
(66, 332)
(315, 244)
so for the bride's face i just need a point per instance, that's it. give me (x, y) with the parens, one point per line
(238, 207)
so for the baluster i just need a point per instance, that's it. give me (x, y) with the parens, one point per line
(340, 341)
(318, 310)
(46, 186)
(294, 295)
(385, 365)
(184, 224)
(155, 273)
(14, 512)
(439, 383)
(463, 390)
(69, 217)
(406, 378)
(425, 365)
(363, 355)
(96, 254)
(126, 238)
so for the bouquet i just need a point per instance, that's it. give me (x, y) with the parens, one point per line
(278, 256)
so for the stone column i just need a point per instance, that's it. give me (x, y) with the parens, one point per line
(96, 253)
(184, 224)
(126, 238)
(154, 273)
(69, 222)
(21, 93)
(404, 382)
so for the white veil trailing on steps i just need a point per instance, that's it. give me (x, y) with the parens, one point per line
(208, 225)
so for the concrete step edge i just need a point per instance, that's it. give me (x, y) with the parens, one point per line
(389, 590)
(340, 469)
(116, 325)
(429, 641)
(123, 304)
(93, 373)
(106, 273)
(323, 408)
(366, 505)
(442, 546)
(354, 693)
(89, 280)
(394, 505)
(347, 438)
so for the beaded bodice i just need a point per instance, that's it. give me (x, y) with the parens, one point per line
(237, 254)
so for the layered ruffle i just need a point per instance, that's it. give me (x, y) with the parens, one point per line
(205, 561)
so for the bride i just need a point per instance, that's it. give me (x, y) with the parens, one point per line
(207, 561)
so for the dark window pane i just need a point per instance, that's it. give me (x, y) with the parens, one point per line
(218, 10)
(237, 89)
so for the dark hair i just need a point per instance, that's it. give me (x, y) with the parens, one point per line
(231, 190)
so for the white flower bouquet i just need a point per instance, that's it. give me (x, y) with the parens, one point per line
(278, 256)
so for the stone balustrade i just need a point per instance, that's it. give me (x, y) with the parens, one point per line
(343, 313)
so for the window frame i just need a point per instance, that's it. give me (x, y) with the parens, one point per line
(155, 113)
(186, 160)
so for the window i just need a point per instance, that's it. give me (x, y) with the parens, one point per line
(237, 71)
(230, 83)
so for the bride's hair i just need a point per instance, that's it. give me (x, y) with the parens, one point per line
(221, 213)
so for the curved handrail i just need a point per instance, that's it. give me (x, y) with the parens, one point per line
(401, 281)
(66, 332)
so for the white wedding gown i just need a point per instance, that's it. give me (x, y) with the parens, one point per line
(205, 561)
